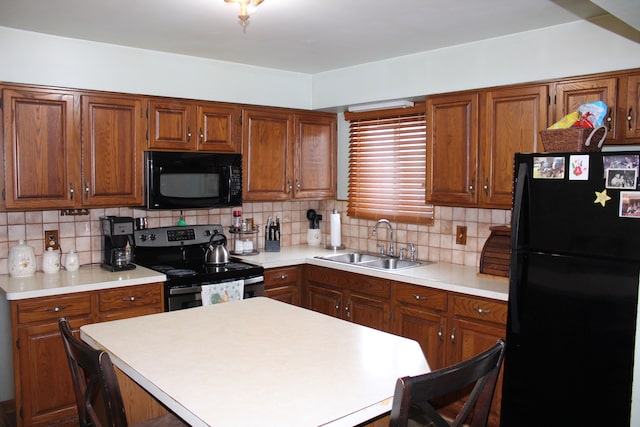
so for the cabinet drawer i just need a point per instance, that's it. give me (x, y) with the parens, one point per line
(480, 309)
(130, 297)
(53, 308)
(279, 276)
(421, 296)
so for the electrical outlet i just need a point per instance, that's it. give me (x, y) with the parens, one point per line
(461, 235)
(51, 240)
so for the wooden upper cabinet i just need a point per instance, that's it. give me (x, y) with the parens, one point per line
(218, 128)
(288, 155)
(112, 128)
(193, 126)
(42, 149)
(510, 123)
(570, 94)
(267, 154)
(629, 109)
(171, 125)
(316, 154)
(452, 147)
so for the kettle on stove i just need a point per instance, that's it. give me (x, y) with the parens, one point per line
(217, 252)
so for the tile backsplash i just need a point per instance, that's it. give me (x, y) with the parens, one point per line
(434, 243)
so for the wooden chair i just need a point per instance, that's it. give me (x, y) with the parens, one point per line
(413, 394)
(96, 386)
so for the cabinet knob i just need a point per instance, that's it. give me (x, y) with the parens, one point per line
(418, 297)
(284, 276)
(188, 133)
(56, 309)
(201, 136)
(482, 310)
(131, 298)
(453, 335)
(630, 117)
(86, 188)
(298, 185)
(289, 187)
(71, 190)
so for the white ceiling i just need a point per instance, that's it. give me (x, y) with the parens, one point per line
(297, 35)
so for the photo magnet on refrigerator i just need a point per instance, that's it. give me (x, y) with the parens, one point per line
(579, 167)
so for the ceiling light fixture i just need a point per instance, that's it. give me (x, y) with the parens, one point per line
(246, 6)
(401, 103)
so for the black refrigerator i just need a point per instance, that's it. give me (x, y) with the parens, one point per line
(573, 290)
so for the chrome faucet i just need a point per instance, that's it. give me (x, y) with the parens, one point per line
(388, 224)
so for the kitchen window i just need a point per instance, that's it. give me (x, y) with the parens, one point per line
(387, 165)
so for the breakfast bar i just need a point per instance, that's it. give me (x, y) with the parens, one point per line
(260, 362)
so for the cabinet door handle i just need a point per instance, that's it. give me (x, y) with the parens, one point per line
(630, 117)
(71, 190)
(453, 334)
(86, 188)
(284, 276)
(298, 185)
(188, 133)
(56, 309)
(346, 309)
(440, 333)
(131, 298)
(289, 186)
(609, 120)
(201, 136)
(418, 297)
(486, 186)
(482, 310)
(337, 309)
(471, 186)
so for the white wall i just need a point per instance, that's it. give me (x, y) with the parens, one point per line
(566, 50)
(35, 58)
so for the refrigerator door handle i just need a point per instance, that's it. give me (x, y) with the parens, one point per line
(516, 223)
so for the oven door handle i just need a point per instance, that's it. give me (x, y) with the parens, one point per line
(197, 289)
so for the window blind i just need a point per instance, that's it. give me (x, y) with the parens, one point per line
(387, 165)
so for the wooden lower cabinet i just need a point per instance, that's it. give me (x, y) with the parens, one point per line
(283, 284)
(357, 298)
(450, 328)
(44, 391)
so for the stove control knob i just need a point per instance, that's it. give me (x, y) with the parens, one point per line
(152, 236)
(207, 232)
(143, 237)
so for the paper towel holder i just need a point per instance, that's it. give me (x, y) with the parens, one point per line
(330, 245)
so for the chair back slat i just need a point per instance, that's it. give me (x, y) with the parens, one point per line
(95, 383)
(414, 394)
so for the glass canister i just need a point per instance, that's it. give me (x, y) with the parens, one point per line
(22, 260)
(51, 261)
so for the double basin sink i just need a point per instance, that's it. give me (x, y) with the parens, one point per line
(380, 262)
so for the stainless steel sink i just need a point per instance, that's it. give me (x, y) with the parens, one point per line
(380, 262)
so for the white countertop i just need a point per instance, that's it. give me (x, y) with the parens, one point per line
(260, 362)
(87, 278)
(445, 276)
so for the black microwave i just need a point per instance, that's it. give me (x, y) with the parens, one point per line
(182, 180)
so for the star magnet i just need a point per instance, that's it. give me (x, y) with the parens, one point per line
(601, 197)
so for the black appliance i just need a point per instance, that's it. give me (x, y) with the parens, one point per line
(573, 290)
(117, 243)
(181, 180)
(179, 253)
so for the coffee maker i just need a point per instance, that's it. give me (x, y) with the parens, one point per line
(117, 243)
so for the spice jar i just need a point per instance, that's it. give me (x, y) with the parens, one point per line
(237, 219)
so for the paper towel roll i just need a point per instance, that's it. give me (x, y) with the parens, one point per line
(335, 229)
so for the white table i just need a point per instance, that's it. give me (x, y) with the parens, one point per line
(260, 362)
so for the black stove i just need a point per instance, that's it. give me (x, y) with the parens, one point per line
(179, 253)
